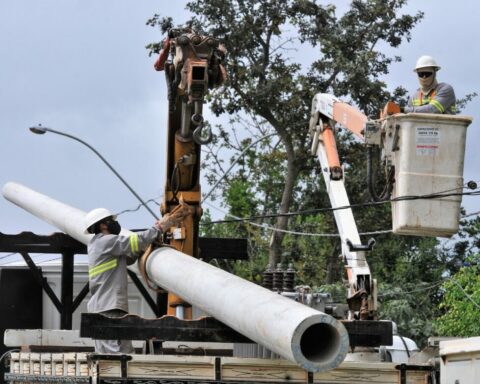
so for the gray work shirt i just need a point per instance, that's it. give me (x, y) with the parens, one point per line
(107, 267)
(441, 99)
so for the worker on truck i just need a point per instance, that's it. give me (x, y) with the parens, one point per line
(109, 253)
(431, 97)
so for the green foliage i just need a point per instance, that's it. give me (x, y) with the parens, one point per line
(411, 306)
(338, 291)
(309, 254)
(460, 307)
(461, 304)
(461, 103)
(280, 53)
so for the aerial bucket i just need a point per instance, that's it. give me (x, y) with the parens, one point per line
(428, 153)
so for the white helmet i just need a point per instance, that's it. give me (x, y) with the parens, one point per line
(425, 62)
(94, 216)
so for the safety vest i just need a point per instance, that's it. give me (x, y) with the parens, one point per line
(112, 263)
(429, 98)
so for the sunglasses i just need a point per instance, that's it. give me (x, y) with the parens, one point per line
(425, 74)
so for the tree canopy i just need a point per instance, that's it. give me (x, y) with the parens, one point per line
(460, 307)
(280, 53)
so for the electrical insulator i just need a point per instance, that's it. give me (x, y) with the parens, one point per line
(268, 277)
(278, 278)
(289, 279)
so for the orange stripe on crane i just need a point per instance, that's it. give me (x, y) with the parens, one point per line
(330, 147)
(349, 117)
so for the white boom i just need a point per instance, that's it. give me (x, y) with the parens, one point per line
(325, 111)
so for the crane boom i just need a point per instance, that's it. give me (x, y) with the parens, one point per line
(192, 64)
(326, 111)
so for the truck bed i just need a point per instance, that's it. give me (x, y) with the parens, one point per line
(142, 369)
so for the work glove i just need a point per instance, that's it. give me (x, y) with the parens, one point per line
(175, 217)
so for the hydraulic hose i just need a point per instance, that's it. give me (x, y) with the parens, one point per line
(386, 193)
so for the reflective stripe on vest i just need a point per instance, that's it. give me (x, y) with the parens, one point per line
(102, 268)
(134, 243)
(437, 105)
(428, 99)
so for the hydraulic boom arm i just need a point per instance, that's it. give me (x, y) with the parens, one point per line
(327, 110)
(192, 64)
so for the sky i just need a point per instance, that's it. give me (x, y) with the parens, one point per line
(81, 67)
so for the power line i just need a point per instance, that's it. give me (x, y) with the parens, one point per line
(471, 214)
(270, 228)
(8, 255)
(331, 209)
(46, 261)
(465, 293)
(433, 285)
(251, 219)
(427, 288)
(152, 200)
(234, 163)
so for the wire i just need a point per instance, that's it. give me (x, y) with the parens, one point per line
(152, 200)
(316, 210)
(270, 228)
(470, 214)
(427, 288)
(465, 293)
(234, 163)
(10, 254)
(46, 261)
(331, 209)
(8, 353)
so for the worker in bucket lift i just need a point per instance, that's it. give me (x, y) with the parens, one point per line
(432, 96)
(109, 253)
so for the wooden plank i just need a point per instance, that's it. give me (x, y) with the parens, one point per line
(262, 370)
(45, 337)
(143, 366)
(155, 368)
(367, 372)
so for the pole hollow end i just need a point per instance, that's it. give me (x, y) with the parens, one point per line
(320, 343)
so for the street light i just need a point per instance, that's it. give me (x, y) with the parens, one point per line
(39, 130)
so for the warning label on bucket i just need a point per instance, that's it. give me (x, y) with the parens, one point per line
(427, 140)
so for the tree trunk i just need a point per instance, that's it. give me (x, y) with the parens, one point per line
(332, 265)
(275, 251)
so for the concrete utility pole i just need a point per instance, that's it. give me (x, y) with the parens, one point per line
(312, 339)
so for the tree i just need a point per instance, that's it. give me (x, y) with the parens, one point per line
(280, 54)
(461, 302)
(266, 81)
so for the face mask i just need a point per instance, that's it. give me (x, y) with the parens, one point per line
(427, 83)
(114, 227)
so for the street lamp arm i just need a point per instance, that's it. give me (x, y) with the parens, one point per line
(44, 129)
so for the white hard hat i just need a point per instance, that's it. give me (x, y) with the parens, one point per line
(425, 62)
(95, 215)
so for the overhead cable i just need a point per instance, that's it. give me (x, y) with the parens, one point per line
(331, 209)
(270, 228)
(152, 200)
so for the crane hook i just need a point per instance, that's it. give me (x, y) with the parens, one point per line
(202, 135)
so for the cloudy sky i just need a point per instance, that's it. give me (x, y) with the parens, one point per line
(81, 67)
